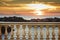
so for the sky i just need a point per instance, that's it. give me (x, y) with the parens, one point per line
(30, 8)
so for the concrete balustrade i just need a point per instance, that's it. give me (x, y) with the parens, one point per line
(32, 30)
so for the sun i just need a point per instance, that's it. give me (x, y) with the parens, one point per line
(38, 12)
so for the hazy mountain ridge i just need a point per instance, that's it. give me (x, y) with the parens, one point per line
(21, 19)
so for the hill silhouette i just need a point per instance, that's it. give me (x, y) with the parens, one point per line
(21, 19)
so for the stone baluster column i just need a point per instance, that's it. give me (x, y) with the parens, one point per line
(21, 32)
(15, 31)
(3, 32)
(50, 33)
(32, 32)
(44, 30)
(9, 32)
(38, 31)
(26, 31)
(56, 30)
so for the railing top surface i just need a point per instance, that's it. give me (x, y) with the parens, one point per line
(32, 22)
(29, 23)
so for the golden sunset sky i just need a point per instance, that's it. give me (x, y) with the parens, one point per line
(30, 7)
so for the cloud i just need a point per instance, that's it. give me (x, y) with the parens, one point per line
(6, 0)
(16, 5)
(17, 2)
(29, 1)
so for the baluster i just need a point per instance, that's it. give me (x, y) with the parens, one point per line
(38, 31)
(21, 32)
(44, 30)
(32, 33)
(15, 31)
(50, 33)
(3, 32)
(56, 29)
(26, 31)
(9, 32)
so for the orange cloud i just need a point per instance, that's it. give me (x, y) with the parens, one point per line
(22, 10)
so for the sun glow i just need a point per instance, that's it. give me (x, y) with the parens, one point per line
(38, 12)
(39, 6)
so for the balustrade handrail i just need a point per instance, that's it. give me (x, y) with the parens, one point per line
(29, 22)
(32, 23)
